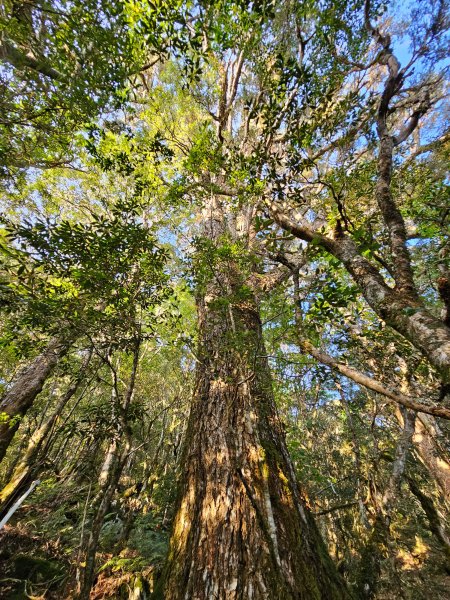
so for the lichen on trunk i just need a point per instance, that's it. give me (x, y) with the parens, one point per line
(241, 530)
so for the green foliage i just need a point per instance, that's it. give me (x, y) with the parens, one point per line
(149, 539)
(174, 173)
(213, 257)
(102, 271)
(83, 55)
(333, 296)
(12, 421)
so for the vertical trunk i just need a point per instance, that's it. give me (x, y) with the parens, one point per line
(435, 521)
(138, 588)
(100, 507)
(149, 478)
(21, 395)
(430, 454)
(375, 548)
(241, 530)
(109, 476)
(357, 458)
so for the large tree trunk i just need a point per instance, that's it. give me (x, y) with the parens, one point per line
(241, 530)
(28, 384)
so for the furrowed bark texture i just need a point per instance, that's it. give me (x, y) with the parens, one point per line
(29, 383)
(241, 530)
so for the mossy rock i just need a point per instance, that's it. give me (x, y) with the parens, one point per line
(36, 570)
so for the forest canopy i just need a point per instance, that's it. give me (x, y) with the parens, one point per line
(224, 299)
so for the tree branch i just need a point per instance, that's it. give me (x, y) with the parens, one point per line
(20, 61)
(391, 394)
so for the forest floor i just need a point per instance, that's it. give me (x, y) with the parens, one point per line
(42, 568)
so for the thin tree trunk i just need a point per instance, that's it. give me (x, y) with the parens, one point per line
(436, 525)
(357, 454)
(375, 548)
(18, 503)
(100, 507)
(108, 479)
(25, 465)
(28, 384)
(424, 442)
(429, 453)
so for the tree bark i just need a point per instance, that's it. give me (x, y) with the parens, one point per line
(241, 530)
(100, 506)
(18, 59)
(370, 383)
(404, 313)
(375, 548)
(435, 521)
(437, 463)
(25, 466)
(400, 307)
(110, 472)
(22, 393)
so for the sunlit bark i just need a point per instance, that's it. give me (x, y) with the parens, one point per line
(241, 529)
(27, 385)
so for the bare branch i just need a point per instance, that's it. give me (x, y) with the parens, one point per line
(407, 130)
